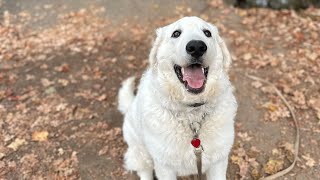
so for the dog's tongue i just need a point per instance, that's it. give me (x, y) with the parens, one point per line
(194, 76)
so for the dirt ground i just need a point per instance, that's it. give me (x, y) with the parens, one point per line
(62, 62)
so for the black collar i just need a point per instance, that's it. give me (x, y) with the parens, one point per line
(196, 104)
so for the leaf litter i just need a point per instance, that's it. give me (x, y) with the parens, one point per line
(290, 59)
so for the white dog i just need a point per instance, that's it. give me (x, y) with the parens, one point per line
(185, 95)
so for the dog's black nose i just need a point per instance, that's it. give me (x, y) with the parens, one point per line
(196, 48)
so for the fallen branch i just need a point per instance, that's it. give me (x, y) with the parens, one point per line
(297, 141)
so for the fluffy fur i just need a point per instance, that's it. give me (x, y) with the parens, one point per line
(156, 120)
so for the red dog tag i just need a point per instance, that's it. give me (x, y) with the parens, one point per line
(196, 142)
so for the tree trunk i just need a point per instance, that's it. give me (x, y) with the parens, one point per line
(276, 4)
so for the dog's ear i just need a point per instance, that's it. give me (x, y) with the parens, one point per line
(225, 53)
(155, 47)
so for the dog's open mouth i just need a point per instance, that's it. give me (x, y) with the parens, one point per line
(193, 77)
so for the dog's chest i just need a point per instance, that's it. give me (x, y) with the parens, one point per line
(170, 142)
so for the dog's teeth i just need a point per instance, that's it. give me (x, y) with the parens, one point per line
(202, 70)
(182, 71)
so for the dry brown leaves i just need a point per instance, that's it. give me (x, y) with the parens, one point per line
(310, 162)
(246, 161)
(66, 168)
(292, 51)
(79, 31)
(315, 104)
(282, 45)
(273, 166)
(276, 111)
(115, 145)
(30, 103)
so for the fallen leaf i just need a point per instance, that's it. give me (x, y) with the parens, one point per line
(16, 144)
(102, 97)
(244, 136)
(46, 82)
(256, 84)
(63, 82)
(240, 158)
(289, 151)
(61, 106)
(247, 56)
(270, 106)
(312, 56)
(103, 151)
(60, 151)
(2, 155)
(299, 98)
(40, 136)
(310, 162)
(130, 57)
(255, 173)
(273, 166)
(242, 164)
(50, 90)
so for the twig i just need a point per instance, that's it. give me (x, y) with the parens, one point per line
(297, 141)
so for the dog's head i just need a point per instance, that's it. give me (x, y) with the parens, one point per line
(188, 57)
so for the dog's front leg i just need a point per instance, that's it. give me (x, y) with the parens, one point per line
(145, 175)
(164, 173)
(218, 170)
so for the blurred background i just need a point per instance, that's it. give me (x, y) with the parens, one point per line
(62, 62)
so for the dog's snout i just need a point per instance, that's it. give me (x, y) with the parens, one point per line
(196, 48)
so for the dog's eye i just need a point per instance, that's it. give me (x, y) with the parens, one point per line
(207, 33)
(176, 34)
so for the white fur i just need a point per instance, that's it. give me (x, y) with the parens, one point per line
(156, 125)
(126, 95)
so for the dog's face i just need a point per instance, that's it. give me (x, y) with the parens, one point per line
(188, 57)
